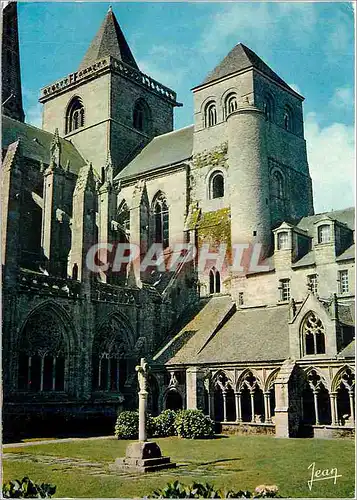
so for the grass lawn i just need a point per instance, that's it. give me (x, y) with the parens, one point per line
(80, 468)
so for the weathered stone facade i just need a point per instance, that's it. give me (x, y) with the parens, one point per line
(268, 350)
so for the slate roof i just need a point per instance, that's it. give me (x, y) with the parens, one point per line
(255, 334)
(246, 335)
(109, 41)
(238, 59)
(163, 150)
(346, 216)
(346, 313)
(35, 144)
(348, 351)
(184, 347)
(347, 254)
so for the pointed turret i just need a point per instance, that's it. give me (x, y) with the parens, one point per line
(109, 41)
(55, 149)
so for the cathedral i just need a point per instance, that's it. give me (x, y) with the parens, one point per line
(263, 349)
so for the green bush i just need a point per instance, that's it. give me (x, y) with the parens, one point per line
(193, 424)
(27, 489)
(199, 490)
(127, 425)
(164, 424)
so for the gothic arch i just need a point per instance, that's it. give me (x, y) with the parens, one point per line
(244, 375)
(112, 346)
(269, 383)
(61, 314)
(142, 116)
(277, 183)
(312, 334)
(308, 371)
(222, 373)
(75, 114)
(45, 347)
(160, 216)
(338, 377)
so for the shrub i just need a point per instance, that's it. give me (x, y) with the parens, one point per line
(27, 489)
(127, 425)
(164, 424)
(199, 490)
(193, 424)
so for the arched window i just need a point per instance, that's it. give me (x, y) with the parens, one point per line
(161, 220)
(288, 119)
(210, 115)
(251, 403)
(231, 104)
(43, 354)
(214, 281)
(324, 233)
(141, 116)
(109, 356)
(216, 187)
(278, 185)
(268, 107)
(74, 115)
(313, 334)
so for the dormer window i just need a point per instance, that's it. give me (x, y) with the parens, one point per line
(283, 240)
(74, 115)
(324, 233)
(210, 115)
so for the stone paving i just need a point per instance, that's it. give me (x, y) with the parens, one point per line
(69, 464)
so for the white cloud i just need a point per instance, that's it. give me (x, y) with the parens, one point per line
(331, 155)
(343, 98)
(263, 22)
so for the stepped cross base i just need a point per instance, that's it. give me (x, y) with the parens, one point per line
(142, 456)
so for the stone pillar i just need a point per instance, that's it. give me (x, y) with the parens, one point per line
(333, 405)
(191, 388)
(211, 404)
(142, 415)
(316, 408)
(252, 405)
(224, 394)
(350, 394)
(83, 221)
(238, 407)
(267, 407)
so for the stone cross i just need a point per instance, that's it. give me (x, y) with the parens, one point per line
(142, 370)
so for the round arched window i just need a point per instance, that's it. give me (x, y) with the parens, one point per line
(216, 185)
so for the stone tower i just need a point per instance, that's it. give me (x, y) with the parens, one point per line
(108, 107)
(11, 97)
(249, 128)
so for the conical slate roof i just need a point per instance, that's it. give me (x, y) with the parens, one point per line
(239, 58)
(109, 41)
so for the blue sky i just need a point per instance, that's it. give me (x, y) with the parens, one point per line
(310, 45)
